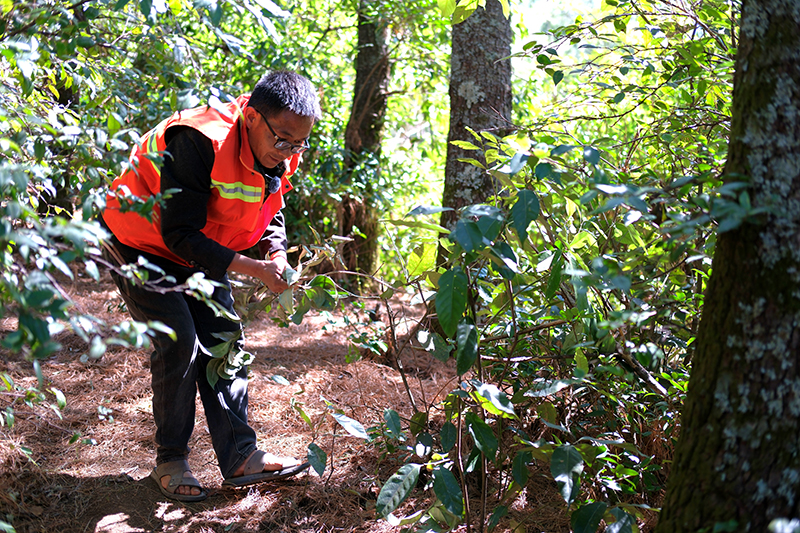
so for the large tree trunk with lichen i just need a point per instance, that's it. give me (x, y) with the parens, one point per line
(480, 98)
(357, 213)
(738, 457)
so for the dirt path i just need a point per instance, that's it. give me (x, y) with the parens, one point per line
(101, 482)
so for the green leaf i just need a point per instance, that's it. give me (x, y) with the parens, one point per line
(624, 523)
(392, 420)
(525, 210)
(566, 466)
(353, 427)
(465, 145)
(586, 519)
(469, 235)
(447, 489)
(447, 7)
(418, 422)
(466, 346)
(5, 527)
(493, 396)
(318, 458)
(543, 170)
(397, 488)
(554, 281)
(61, 400)
(212, 371)
(434, 344)
(286, 300)
(120, 4)
(451, 300)
(558, 75)
(482, 434)
(290, 275)
(498, 513)
(519, 467)
(145, 7)
(448, 435)
(591, 155)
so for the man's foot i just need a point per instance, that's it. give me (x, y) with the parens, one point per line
(175, 481)
(271, 462)
(186, 490)
(262, 466)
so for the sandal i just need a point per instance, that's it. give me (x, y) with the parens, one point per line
(254, 469)
(179, 475)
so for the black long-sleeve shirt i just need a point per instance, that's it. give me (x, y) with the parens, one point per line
(188, 168)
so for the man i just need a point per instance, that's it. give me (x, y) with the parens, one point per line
(228, 170)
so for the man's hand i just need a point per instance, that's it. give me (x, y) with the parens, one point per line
(270, 271)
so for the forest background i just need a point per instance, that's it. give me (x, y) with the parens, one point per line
(567, 301)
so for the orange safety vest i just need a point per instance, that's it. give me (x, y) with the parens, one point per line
(239, 210)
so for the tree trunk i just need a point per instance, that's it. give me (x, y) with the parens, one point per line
(738, 457)
(480, 98)
(363, 138)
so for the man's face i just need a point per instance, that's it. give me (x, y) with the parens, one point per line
(264, 133)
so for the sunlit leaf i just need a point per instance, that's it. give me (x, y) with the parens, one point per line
(397, 488)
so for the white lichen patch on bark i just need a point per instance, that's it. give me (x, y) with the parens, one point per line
(770, 138)
(471, 92)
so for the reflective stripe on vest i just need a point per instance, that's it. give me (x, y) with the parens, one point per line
(237, 191)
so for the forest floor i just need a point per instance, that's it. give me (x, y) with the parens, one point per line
(101, 482)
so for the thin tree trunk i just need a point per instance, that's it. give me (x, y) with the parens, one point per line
(363, 138)
(480, 98)
(738, 458)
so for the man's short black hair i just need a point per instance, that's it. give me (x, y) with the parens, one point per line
(284, 89)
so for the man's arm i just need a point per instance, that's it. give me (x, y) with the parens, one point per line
(188, 168)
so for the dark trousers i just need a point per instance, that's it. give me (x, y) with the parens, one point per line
(178, 366)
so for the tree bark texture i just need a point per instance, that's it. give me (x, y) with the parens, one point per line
(363, 137)
(738, 456)
(480, 98)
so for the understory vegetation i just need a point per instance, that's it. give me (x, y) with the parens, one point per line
(569, 301)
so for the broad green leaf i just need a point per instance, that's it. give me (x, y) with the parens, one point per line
(543, 170)
(145, 7)
(466, 346)
(493, 399)
(286, 300)
(354, 427)
(566, 465)
(558, 75)
(434, 344)
(419, 421)
(5, 527)
(482, 434)
(586, 519)
(499, 512)
(318, 458)
(447, 7)
(591, 155)
(392, 420)
(451, 300)
(525, 210)
(519, 467)
(469, 235)
(582, 239)
(448, 436)
(447, 489)
(397, 488)
(624, 523)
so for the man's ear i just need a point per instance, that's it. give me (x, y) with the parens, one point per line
(250, 116)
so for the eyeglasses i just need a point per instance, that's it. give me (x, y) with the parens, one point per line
(283, 144)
